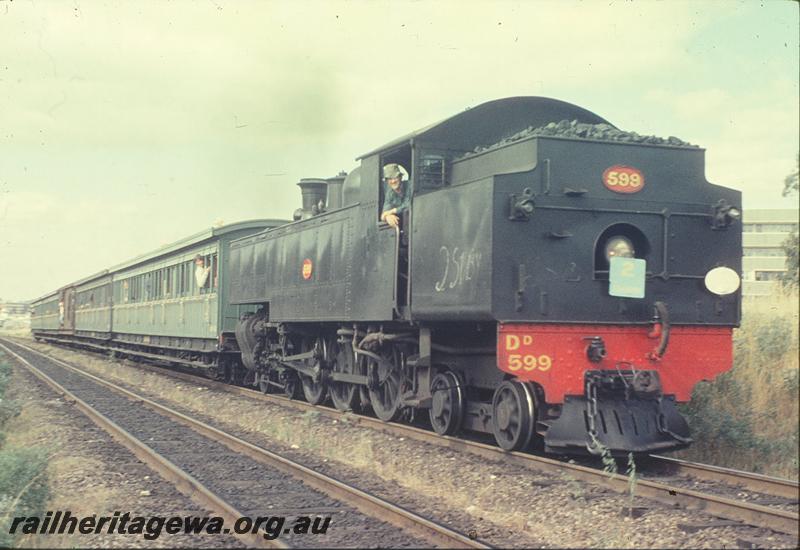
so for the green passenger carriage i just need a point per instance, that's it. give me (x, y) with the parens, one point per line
(153, 305)
(44, 313)
(93, 306)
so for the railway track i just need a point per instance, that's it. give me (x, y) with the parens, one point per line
(231, 476)
(780, 488)
(675, 483)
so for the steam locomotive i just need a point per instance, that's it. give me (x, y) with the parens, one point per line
(557, 282)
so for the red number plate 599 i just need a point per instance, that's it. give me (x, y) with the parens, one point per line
(623, 179)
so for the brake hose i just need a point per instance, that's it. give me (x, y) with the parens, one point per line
(661, 317)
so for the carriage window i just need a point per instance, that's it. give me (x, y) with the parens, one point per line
(147, 293)
(188, 275)
(168, 274)
(182, 279)
(157, 284)
(208, 279)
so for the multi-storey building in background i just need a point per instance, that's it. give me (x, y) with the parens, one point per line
(764, 262)
(14, 308)
(14, 314)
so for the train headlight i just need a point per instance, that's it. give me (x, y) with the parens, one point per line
(722, 281)
(619, 247)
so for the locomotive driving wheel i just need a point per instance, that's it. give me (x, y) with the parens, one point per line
(385, 393)
(315, 389)
(343, 394)
(447, 408)
(513, 415)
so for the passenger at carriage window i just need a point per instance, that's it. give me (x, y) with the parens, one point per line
(201, 271)
(397, 195)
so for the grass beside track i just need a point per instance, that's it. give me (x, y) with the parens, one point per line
(23, 470)
(748, 417)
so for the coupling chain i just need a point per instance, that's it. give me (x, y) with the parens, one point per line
(593, 445)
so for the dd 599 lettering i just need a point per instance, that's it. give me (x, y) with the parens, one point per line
(525, 361)
(529, 362)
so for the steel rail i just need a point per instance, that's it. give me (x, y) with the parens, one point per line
(750, 513)
(776, 486)
(183, 481)
(366, 503)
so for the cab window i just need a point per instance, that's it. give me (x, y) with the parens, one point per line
(401, 157)
(432, 173)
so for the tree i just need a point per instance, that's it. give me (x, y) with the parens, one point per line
(791, 186)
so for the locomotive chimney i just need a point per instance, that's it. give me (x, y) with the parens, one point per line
(335, 185)
(314, 190)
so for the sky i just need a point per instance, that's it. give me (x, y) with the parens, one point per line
(128, 125)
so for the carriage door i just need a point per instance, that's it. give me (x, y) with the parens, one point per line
(68, 299)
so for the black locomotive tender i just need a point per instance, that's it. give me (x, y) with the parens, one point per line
(496, 306)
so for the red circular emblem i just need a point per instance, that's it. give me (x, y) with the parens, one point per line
(308, 268)
(623, 179)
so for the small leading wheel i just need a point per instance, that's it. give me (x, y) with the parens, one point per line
(513, 415)
(237, 375)
(385, 397)
(343, 394)
(226, 374)
(263, 382)
(249, 379)
(447, 408)
(213, 373)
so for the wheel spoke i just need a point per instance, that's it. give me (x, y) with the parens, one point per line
(446, 419)
(386, 397)
(343, 394)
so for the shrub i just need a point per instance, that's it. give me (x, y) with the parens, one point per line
(23, 472)
(747, 418)
(23, 487)
(774, 338)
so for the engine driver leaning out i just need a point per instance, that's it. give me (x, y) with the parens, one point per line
(397, 196)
